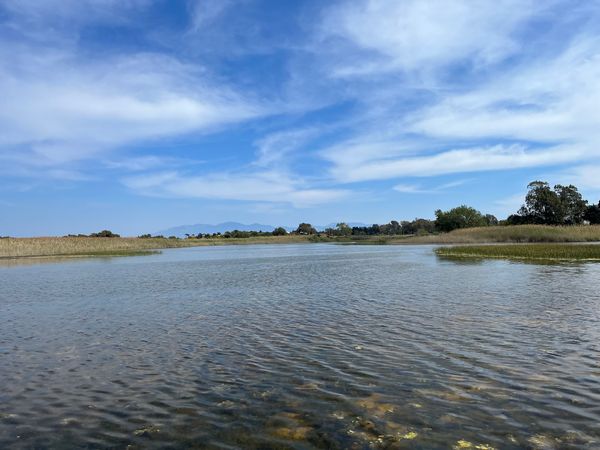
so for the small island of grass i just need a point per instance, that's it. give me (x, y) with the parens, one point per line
(547, 252)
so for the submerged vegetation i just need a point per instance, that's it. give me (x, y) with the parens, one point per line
(550, 252)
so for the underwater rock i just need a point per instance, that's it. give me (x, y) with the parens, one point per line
(226, 404)
(69, 421)
(292, 434)
(308, 387)
(541, 442)
(147, 431)
(339, 415)
(463, 444)
(374, 406)
(410, 435)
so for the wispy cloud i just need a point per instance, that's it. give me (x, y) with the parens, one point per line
(203, 13)
(422, 36)
(63, 107)
(79, 109)
(475, 159)
(268, 186)
(419, 189)
(277, 147)
(476, 111)
(149, 162)
(586, 176)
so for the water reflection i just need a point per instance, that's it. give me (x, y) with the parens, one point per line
(299, 347)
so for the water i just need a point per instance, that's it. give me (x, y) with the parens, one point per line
(299, 347)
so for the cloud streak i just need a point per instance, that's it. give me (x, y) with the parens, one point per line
(423, 36)
(266, 186)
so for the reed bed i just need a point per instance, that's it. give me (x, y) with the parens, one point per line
(87, 246)
(515, 233)
(548, 252)
(75, 246)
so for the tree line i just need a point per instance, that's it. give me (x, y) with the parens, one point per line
(560, 205)
(544, 205)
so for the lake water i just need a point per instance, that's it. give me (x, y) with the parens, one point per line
(299, 346)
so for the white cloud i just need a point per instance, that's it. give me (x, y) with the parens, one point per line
(204, 12)
(148, 162)
(472, 159)
(585, 176)
(410, 189)
(268, 186)
(65, 105)
(416, 35)
(546, 101)
(542, 111)
(80, 109)
(277, 147)
(419, 189)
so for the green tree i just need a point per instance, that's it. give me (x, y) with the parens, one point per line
(490, 220)
(562, 205)
(592, 214)
(573, 206)
(342, 229)
(542, 205)
(460, 217)
(305, 228)
(279, 231)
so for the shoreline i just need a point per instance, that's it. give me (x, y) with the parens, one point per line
(90, 247)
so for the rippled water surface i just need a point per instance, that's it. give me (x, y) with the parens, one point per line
(299, 347)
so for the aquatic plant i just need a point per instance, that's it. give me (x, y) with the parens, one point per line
(559, 252)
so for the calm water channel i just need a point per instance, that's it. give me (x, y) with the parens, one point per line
(299, 346)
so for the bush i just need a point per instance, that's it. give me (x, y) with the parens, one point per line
(105, 233)
(305, 228)
(279, 231)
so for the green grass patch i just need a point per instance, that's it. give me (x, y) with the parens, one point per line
(547, 252)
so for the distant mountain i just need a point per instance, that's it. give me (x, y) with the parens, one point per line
(204, 228)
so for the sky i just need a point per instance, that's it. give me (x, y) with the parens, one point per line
(139, 115)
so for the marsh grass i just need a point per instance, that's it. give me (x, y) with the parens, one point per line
(85, 246)
(547, 252)
(515, 233)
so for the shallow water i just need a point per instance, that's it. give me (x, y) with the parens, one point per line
(299, 346)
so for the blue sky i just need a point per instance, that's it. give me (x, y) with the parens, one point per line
(138, 115)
